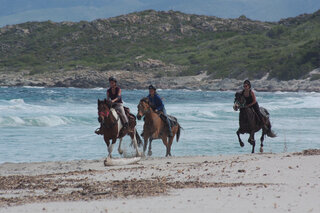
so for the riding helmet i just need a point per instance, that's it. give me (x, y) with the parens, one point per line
(113, 79)
(152, 87)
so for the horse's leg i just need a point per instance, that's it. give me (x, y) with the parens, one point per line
(145, 142)
(107, 141)
(165, 142)
(110, 148)
(240, 141)
(134, 141)
(261, 140)
(252, 141)
(169, 145)
(149, 149)
(119, 148)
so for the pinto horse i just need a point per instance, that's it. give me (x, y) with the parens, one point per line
(155, 128)
(250, 123)
(111, 127)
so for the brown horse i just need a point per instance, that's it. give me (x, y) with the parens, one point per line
(155, 128)
(250, 123)
(111, 127)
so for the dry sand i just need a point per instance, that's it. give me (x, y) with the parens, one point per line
(286, 182)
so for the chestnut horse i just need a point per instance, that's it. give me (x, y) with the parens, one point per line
(155, 128)
(250, 123)
(111, 127)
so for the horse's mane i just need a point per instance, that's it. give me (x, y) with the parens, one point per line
(145, 99)
(239, 92)
(239, 97)
(105, 101)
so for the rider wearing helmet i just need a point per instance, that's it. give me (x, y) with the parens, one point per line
(157, 104)
(114, 94)
(251, 99)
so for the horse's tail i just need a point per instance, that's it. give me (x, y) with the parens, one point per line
(178, 132)
(139, 141)
(270, 133)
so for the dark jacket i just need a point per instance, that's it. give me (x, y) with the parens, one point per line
(156, 102)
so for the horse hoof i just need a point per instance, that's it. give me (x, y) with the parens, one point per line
(120, 152)
(261, 149)
(105, 161)
(149, 153)
(241, 144)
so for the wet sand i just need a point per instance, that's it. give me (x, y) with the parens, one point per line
(285, 182)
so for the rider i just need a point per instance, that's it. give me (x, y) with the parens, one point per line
(157, 104)
(114, 94)
(251, 100)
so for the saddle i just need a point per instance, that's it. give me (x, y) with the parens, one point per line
(173, 120)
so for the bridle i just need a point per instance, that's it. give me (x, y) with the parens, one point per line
(238, 103)
(142, 109)
(106, 115)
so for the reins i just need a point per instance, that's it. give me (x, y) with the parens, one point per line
(106, 114)
(241, 105)
(143, 100)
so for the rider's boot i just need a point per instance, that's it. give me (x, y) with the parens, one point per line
(169, 128)
(99, 131)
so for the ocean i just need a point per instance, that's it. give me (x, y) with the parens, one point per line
(57, 124)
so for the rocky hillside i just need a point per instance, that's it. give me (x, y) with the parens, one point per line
(166, 44)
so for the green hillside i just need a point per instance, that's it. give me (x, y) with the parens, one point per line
(233, 48)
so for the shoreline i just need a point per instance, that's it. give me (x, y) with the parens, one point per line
(140, 80)
(266, 182)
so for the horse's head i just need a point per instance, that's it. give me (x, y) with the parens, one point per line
(143, 107)
(103, 110)
(239, 101)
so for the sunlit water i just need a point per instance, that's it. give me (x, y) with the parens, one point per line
(54, 124)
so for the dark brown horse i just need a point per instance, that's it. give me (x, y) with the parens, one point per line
(155, 128)
(111, 127)
(250, 123)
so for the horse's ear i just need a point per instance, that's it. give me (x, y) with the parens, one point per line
(98, 101)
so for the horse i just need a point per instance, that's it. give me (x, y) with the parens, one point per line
(111, 127)
(250, 123)
(155, 128)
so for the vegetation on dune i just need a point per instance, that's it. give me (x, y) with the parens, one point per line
(234, 48)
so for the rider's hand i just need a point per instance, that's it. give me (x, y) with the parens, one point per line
(156, 110)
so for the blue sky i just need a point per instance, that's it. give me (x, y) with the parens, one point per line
(18, 11)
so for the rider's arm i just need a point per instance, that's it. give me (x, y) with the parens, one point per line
(118, 97)
(159, 103)
(254, 100)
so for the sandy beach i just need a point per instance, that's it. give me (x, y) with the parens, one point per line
(285, 182)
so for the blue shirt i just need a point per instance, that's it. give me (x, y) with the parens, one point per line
(156, 102)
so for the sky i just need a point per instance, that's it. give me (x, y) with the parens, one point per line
(19, 11)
